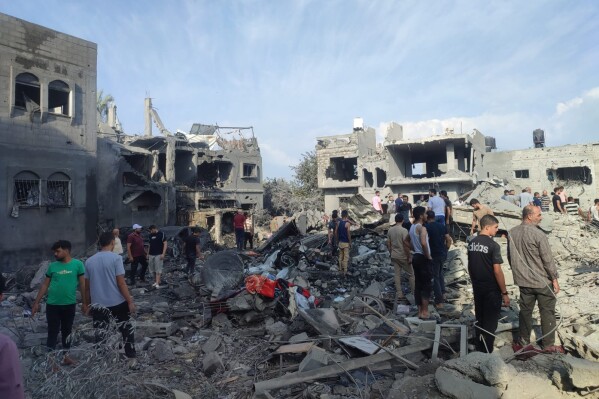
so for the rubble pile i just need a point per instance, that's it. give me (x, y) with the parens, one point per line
(281, 322)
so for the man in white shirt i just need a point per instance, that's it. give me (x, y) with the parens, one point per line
(437, 205)
(593, 215)
(526, 197)
(118, 246)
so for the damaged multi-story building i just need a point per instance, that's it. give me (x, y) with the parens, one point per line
(47, 141)
(355, 163)
(67, 175)
(197, 178)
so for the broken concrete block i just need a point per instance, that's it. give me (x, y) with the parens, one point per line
(469, 366)
(212, 344)
(153, 329)
(221, 322)
(299, 338)
(240, 303)
(316, 358)
(40, 275)
(277, 329)
(325, 320)
(456, 386)
(417, 324)
(162, 351)
(212, 363)
(530, 386)
(583, 373)
(496, 372)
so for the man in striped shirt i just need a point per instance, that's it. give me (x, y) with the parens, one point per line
(545, 201)
(572, 208)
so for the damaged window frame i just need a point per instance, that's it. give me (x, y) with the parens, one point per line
(574, 173)
(522, 174)
(27, 85)
(59, 97)
(24, 190)
(338, 164)
(58, 191)
(253, 172)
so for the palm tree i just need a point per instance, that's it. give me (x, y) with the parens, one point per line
(102, 104)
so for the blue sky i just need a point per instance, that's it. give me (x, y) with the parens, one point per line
(296, 70)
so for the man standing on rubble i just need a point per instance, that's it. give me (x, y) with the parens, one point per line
(440, 242)
(398, 243)
(437, 205)
(343, 237)
(480, 210)
(405, 208)
(545, 201)
(118, 246)
(488, 282)
(529, 254)
(558, 205)
(62, 279)
(239, 225)
(593, 214)
(448, 207)
(422, 262)
(192, 250)
(136, 253)
(376, 202)
(108, 294)
(248, 235)
(156, 254)
(331, 232)
(526, 197)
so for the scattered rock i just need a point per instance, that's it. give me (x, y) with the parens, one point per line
(454, 385)
(162, 351)
(315, 358)
(212, 363)
(582, 373)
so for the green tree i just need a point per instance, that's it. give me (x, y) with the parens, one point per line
(102, 104)
(305, 183)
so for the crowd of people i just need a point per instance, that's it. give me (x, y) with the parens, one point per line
(557, 201)
(418, 241)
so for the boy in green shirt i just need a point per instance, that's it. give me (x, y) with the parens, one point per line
(61, 282)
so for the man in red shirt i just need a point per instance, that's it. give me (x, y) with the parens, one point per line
(137, 255)
(239, 224)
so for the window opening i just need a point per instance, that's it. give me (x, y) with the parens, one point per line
(381, 178)
(249, 170)
(368, 178)
(342, 169)
(575, 173)
(58, 98)
(521, 174)
(27, 92)
(58, 189)
(26, 190)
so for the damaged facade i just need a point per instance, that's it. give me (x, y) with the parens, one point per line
(355, 164)
(67, 176)
(47, 141)
(200, 178)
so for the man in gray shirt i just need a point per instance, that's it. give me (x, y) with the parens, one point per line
(526, 197)
(107, 292)
(535, 274)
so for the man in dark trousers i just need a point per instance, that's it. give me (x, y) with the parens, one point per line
(488, 282)
(422, 262)
(192, 251)
(136, 254)
(440, 242)
(536, 275)
(62, 279)
(239, 225)
(108, 294)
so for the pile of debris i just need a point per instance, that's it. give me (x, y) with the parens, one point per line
(281, 322)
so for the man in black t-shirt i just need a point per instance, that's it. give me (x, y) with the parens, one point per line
(156, 253)
(192, 250)
(488, 282)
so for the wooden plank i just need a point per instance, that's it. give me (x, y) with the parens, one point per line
(295, 348)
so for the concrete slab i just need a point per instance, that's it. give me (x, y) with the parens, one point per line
(325, 320)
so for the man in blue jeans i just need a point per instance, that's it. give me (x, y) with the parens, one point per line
(440, 241)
